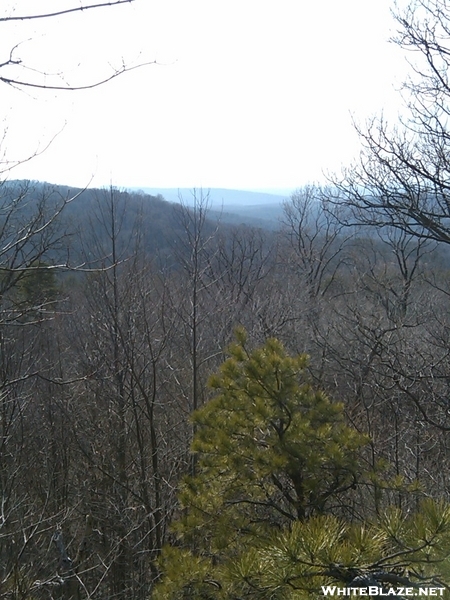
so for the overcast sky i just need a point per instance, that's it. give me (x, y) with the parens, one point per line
(245, 94)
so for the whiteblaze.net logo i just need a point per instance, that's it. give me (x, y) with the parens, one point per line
(372, 590)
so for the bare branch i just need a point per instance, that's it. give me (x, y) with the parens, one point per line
(69, 88)
(63, 12)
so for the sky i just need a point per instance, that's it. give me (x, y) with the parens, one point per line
(239, 94)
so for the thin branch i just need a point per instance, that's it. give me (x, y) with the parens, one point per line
(64, 12)
(124, 69)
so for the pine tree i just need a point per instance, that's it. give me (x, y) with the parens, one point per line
(265, 515)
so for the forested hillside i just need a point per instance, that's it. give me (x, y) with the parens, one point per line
(116, 310)
(192, 407)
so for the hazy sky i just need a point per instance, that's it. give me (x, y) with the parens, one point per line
(249, 94)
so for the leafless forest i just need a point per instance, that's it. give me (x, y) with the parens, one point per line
(107, 345)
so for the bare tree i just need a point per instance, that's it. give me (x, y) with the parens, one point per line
(129, 424)
(192, 249)
(402, 182)
(316, 237)
(15, 72)
(402, 178)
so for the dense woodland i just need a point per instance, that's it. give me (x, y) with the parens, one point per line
(117, 308)
(192, 408)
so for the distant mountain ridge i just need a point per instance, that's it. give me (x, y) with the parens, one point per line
(218, 197)
(158, 207)
(260, 209)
